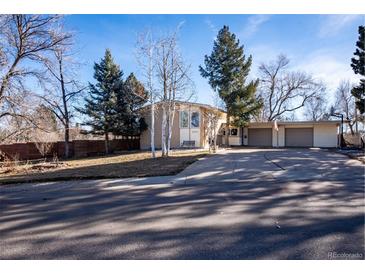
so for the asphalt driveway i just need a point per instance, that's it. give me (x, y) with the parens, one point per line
(239, 204)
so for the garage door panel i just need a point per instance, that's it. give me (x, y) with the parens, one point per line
(299, 137)
(260, 137)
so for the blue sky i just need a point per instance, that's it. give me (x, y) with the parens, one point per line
(318, 44)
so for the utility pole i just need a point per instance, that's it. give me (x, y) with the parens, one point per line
(339, 115)
(356, 123)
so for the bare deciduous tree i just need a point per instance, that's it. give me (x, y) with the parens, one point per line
(14, 129)
(62, 89)
(212, 117)
(25, 41)
(166, 78)
(345, 104)
(174, 84)
(284, 91)
(316, 107)
(18, 126)
(145, 53)
(44, 141)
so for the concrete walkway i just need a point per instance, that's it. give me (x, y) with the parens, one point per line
(238, 204)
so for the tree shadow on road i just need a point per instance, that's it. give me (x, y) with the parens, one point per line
(239, 219)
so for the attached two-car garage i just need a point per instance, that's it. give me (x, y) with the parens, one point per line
(294, 137)
(291, 134)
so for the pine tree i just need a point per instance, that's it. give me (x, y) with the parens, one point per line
(227, 69)
(100, 106)
(244, 104)
(130, 99)
(358, 65)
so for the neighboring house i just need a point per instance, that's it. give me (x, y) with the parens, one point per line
(286, 134)
(190, 126)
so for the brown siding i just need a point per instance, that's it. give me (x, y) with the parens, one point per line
(145, 136)
(203, 127)
(175, 137)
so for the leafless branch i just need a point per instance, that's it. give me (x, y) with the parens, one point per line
(284, 91)
(345, 104)
(25, 39)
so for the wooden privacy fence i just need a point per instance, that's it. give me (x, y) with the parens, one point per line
(77, 148)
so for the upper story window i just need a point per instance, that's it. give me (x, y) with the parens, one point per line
(195, 120)
(184, 119)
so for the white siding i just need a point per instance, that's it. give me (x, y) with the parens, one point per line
(234, 140)
(278, 137)
(281, 136)
(325, 135)
(245, 133)
(184, 135)
(195, 136)
(191, 133)
(275, 137)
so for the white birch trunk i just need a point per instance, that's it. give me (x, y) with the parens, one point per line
(226, 137)
(163, 131)
(170, 126)
(152, 130)
(215, 135)
(210, 133)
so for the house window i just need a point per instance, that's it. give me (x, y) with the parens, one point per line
(195, 119)
(184, 119)
(234, 131)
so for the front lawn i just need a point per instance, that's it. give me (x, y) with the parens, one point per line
(136, 164)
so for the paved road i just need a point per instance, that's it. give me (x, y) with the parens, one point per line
(239, 204)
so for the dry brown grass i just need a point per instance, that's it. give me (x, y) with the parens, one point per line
(135, 164)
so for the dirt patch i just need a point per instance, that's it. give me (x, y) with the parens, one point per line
(138, 164)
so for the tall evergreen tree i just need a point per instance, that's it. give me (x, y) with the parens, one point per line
(358, 65)
(227, 69)
(244, 104)
(130, 99)
(100, 106)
